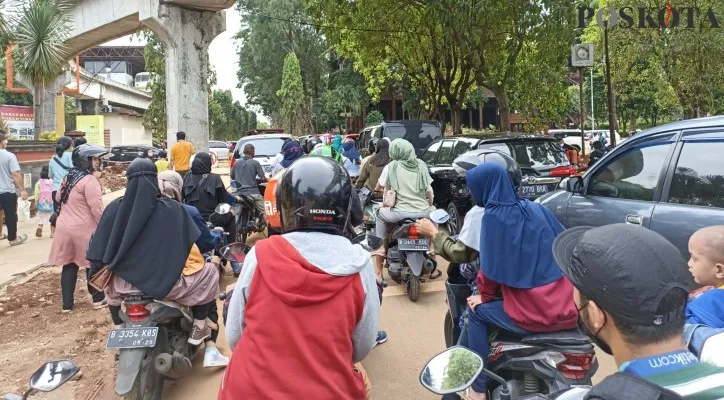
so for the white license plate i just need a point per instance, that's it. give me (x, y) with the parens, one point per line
(413, 244)
(533, 190)
(132, 338)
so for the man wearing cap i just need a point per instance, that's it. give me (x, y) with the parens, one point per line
(631, 294)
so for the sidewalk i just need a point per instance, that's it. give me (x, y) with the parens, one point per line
(21, 259)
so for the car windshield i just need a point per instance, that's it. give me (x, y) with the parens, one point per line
(419, 134)
(533, 153)
(262, 146)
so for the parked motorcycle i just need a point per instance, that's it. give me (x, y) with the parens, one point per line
(408, 254)
(47, 378)
(248, 218)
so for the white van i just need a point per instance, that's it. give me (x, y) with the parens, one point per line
(142, 80)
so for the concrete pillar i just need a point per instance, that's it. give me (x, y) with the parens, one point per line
(44, 101)
(186, 35)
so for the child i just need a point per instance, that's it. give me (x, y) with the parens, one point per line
(707, 266)
(44, 202)
(162, 163)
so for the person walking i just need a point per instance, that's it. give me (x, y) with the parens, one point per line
(181, 152)
(81, 207)
(58, 168)
(44, 202)
(11, 183)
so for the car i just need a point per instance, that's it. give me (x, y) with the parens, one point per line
(542, 162)
(127, 153)
(571, 137)
(669, 179)
(419, 133)
(221, 149)
(267, 146)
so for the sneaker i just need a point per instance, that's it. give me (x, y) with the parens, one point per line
(213, 358)
(381, 338)
(198, 334)
(100, 304)
(66, 310)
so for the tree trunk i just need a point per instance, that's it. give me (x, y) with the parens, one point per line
(503, 107)
(38, 110)
(457, 117)
(633, 123)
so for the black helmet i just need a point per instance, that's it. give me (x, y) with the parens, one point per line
(315, 193)
(82, 155)
(472, 159)
(311, 142)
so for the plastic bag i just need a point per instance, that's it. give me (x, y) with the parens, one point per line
(23, 210)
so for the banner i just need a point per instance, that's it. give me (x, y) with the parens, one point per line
(93, 127)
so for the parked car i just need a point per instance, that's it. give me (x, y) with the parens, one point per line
(669, 179)
(542, 161)
(128, 153)
(419, 133)
(267, 146)
(571, 137)
(221, 149)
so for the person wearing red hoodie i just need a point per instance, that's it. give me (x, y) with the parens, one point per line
(306, 305)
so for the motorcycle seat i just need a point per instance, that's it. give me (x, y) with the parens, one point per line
(571, 337)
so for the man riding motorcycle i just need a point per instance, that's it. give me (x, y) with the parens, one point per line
(300, 314)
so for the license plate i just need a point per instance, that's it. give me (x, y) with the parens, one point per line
(533, 190)
(413, 244)
(132, 338)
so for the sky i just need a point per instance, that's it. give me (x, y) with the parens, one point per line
(222, 55)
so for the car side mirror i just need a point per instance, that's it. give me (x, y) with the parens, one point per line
(575, 184)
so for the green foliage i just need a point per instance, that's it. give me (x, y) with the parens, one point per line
(374, 117)
(229, 120)
(70, 111)
(262, 125)
(155, 116)
(11, 98)
(51, 136)
(292, 98)
(460, 369)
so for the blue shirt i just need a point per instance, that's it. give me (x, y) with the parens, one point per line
(56, 172)
(206, 242)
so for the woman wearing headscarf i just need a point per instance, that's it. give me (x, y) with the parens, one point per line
(170, 184)
(352, 158)
(372, 168)
(337, 143)
(205, 190)
(147, 241)
(409, 178)
(291, 151)
(80, 208)
(516, 263)
(58, 168)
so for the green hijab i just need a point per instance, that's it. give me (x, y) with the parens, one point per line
(406, 167)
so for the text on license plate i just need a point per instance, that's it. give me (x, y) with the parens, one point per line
(413, 244)
(533, 190)
(131, 338)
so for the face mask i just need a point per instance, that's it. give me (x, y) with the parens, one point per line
(587, 331)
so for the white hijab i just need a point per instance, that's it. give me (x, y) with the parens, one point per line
(470, 233)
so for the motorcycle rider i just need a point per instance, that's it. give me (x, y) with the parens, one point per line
(516, 262)
(372, 168)
(291, 151)
(631, 295)
(246, 171)
(300, 314)
(598, 152)
(325, 149)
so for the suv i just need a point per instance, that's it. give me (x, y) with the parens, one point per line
(669, 179)
(221, 149)
(419, 133)
(541, 160)
(267, 146)
(128, 153)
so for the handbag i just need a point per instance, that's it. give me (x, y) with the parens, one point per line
(101, 279)
(390, 198)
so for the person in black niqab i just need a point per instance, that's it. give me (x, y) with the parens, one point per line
(205, 190)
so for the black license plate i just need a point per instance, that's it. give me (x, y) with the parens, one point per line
(132, 338)
(413, 244)
(533, 190)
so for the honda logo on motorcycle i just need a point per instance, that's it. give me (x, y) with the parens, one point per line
(321, 211)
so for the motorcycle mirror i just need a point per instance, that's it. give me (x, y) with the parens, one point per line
(234, 252)
(222, 209)
(451, 371)
(439, 216)
(368, 242)
(53, 375)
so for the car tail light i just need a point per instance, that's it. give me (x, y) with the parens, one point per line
(576, 365)
(568, 170)
(137, 312)
(412, 232)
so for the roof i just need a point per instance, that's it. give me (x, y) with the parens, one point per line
(697, 123)
(266, 136)
(502, 136)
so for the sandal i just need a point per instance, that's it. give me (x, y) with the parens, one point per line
(20, 240)
(433, 275)
(3, 236)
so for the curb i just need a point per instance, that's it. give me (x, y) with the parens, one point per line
(20, 275)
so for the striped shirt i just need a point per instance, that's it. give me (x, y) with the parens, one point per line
(697, 381)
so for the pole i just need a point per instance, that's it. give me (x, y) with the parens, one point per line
(593, 110)
(611, 105)
(582, 118)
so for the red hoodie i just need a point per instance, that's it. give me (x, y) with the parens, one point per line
(297, 339)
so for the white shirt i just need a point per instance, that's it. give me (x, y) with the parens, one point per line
(383, 176)
(277, 159)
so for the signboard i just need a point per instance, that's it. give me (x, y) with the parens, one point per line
(93, 127)
(20, 121)
(582, 55)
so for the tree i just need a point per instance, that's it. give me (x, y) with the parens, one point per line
(155, 116)
(39, 30)
(229, 120)
(374, 117)
(11, 98)
(292, 98)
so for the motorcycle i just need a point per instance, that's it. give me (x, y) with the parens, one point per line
(408, 255)
(370, 205)
(248, 218)
(47, 378)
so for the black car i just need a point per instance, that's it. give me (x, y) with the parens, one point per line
(128, 153)
(419, 133)
(540, 158)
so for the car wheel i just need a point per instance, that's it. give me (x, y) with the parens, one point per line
(453, 224)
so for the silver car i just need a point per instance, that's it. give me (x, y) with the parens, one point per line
(669, 179)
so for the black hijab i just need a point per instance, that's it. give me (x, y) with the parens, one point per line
(382, 154)
(201, 180)
(143, 237)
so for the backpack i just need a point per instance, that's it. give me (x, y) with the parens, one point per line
(44, 202)
(622, 386)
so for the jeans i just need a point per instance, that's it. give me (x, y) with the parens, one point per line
(9, 204)
(488, 314)
(388, 215)
(68, 278)
(56, 205)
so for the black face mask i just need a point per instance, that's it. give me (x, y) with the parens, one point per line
(587, 331)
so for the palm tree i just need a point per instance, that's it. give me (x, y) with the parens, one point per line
(39, 28)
